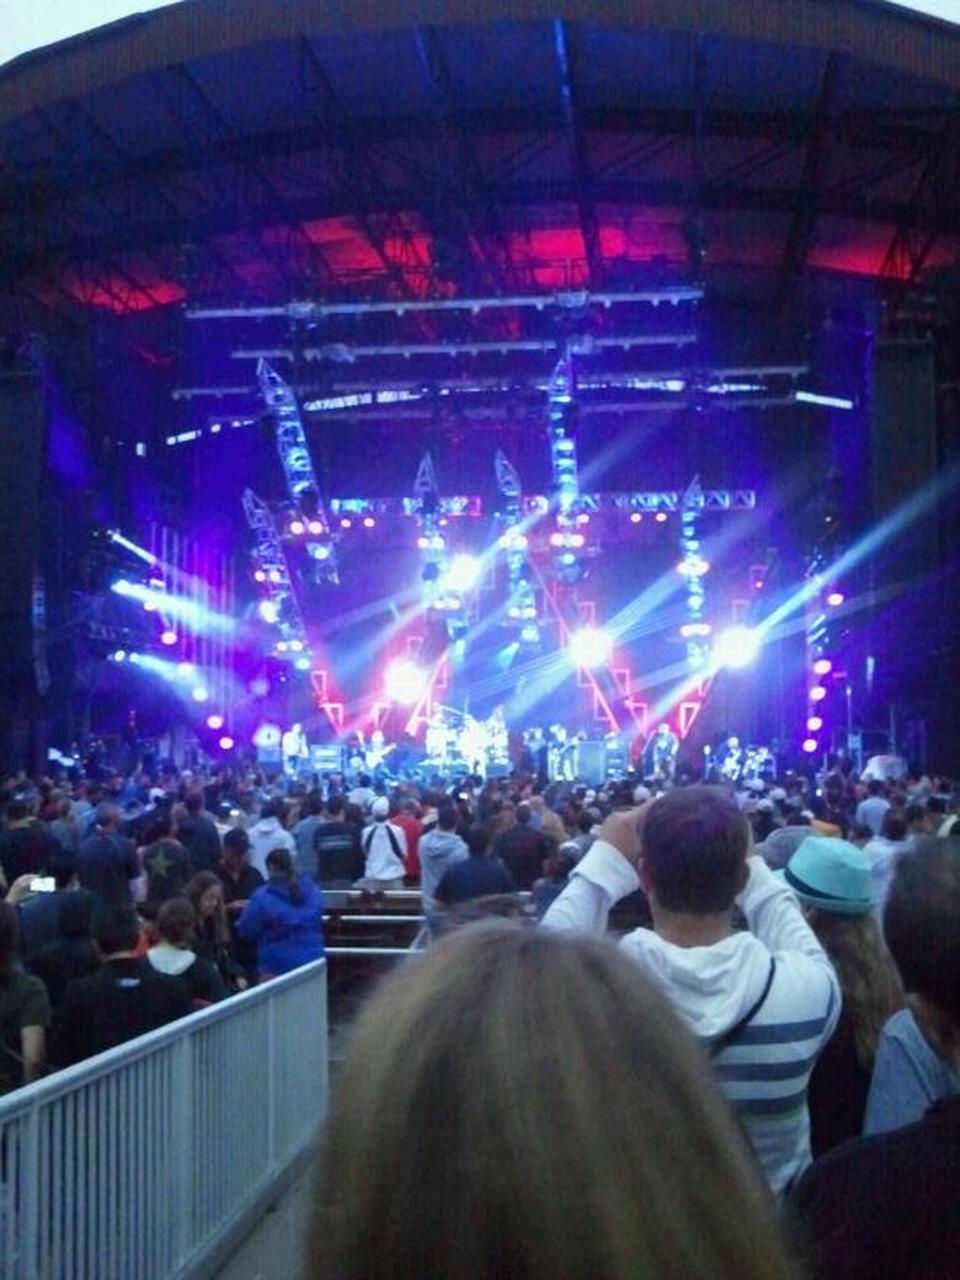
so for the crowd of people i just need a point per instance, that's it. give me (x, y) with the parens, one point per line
(780, 1028)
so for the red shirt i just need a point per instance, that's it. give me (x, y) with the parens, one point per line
(413, 829)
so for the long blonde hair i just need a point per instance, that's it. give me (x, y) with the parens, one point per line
(517, 1105)
(869, 981)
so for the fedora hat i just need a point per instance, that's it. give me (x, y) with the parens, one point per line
(831, 875)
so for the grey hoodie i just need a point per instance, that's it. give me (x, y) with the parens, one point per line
(438, 850)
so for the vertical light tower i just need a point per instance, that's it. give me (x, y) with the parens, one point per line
(693, 567)
(298, 470)
(522, 601)
(561, 395)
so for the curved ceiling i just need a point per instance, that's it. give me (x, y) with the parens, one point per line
(245, 153)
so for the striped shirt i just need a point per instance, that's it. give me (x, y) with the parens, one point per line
(765, 1068)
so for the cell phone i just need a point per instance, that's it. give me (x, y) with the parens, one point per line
(43, 884)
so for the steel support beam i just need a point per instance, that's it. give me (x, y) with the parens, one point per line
(578, 152)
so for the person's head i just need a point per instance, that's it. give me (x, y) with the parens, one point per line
(437, 1112)
(832, 880)
(18, 810)
(918, 820)
(335, 808)
(107, 815)
(894, 825)
(694, 848)
(448, 817)
(921, 924)
(205, 892)
(585, 822)
(876, 788)
(524, 813)
(194, 803)
(380, 809)
(313, 804)
(176, 923)
(478, 838)
(77, 916)
(118, 931)
(280, 870)
(9, 937)
(274, 808)
(236, 848)
(63, 867)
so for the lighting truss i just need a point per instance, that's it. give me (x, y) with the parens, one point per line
(432, 542)
(347, 353)
(471, 505)
(522, 603)
(568, 300)
(271, 564)
(297, 466)
(694, 567)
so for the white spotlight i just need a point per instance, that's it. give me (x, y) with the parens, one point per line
(736, 648)
(590, 647)
(463, 573)
(404, 681)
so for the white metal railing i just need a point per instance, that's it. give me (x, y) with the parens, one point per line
(149, 1161)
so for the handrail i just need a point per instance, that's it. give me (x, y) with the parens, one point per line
(140, 1162)
(141, 1047)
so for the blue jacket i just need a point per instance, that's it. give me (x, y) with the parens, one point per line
(288, 934)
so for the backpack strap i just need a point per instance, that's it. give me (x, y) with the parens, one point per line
(729, 1037)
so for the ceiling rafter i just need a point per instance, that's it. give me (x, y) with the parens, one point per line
(357, 175)
(579, 156)
(480, 219)
(189, 102)
(810, 189)
(921, 223)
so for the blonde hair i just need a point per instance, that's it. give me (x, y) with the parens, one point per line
(517, 1105)
(869, 981)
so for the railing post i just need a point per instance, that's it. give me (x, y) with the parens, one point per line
(27, 1210)
(272, 1079)
(183, 1134)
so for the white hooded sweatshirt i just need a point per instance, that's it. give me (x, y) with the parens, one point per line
(765, 1068)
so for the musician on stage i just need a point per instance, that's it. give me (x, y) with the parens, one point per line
(660, 753)
(295, 749)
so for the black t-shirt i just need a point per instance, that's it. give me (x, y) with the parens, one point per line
(168, 869)
(23, 1003)
(339, 853)
(523, 851)
(107, 864)
(123, 999)
(59, 963)
(26, 850)
(200, 838)
(473, 878)
(884, 1207)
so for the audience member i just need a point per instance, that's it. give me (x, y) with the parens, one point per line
(24, 1012)
(406, 819)
(124, 998)
(73, 952)
(107, 861)
(764, 1001)
(339, 856)
(40, 913)
(918, 1057)
(440, 849)
(284, 918)
(522, 850)
(477, 876)
(516, 1105)
(25, 844)
(304, 834)
(831, 878)
(885, 1207)
(198, 834)
(883, 850)
(870, 810)
(166, 862)
(384, 850)
(270, 833)
(173, 954)
(212, 937)
(556, 874)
